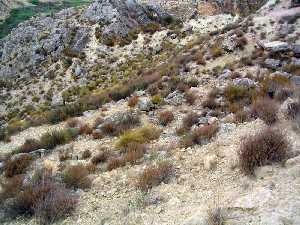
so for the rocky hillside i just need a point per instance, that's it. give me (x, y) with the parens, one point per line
(124, 112)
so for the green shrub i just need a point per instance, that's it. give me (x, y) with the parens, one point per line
(139, 135)
(53, 138)
(156, 99)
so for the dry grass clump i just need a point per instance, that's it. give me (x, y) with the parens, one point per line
(293, 110)
(97, 134)
(241, 116)
(133, 101)
(86, 154)
(215, 217)
(263, 148)
(140, 135)
(237, 93)
(154, 175)
(100, 157)
(200, 135)
(216, 49)
(17, 165)
(134, 152)
(85, 129)
(210, 103)
(189, 120)
(41, 197)
(241, 42)
(265, 109)
(74, 123)
(64, 155)
(190, 97)
(282, 94)
(77, 177)
(114, 163)
(30, 145)
(166, 117)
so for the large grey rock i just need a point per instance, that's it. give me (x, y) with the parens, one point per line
(277, 46)
(145, 104)
(246, 82)
(175, 98)
(273, 63)
(118, 17)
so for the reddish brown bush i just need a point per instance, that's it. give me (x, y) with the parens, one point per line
(200, 135)
(241, 42)
(17, 165)
(261, 149)
(85, 129)
(30, 145)
(114, 163)
(77, 177)
(265, 109)
(108, 128)
(74, 123)
(10, 187)
(190, 97)
(166, 117)
(134, 152)
(190, 119)
(154, 175)
(45, 199)
(133, 101)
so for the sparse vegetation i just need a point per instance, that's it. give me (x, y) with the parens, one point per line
(266, 109)
(263, 148)
(189, 120)
(154, 175)
(166, 117)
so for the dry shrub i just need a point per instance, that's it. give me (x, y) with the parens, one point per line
(114, 163)
(200, 59)
(215, 217)
(86, 154)
(97, 122)
(10, 187)
(97, 134)
(241, 42)
(265, 109)
(166, 117)
(241, 116)
(216, 49)
(45, 199)
(182, 87)
(190, 97)
(17, 165)
(261, 149)
(210, 103)
(200, 135)
(85, 129)
(154, 175)
(134, 152)
(108, 128)
(237, 93)
(100, 157)
(30, 145)
(189, 120)
(282, 94)
(133, 101)
(293, 110)
(77, 177)
(74, 123)
(64, 155)
(53, 138)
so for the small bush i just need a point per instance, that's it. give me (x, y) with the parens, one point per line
(215, 217)
(154, 175)
(261, 149)
(241, 116)
(133, 101)
(74, 123)
(156, 99)
(236, 93)
(216, 49)
(10, 187)
(266, 109)
(109, 128)
(53, 138)
(166, 117)
(140, 135)
(282, 94)
(77, 177)
(200, 135)
(189, 120)
(190, 97)
(97, 134)
(210, 103)
(293, 110)
(45, 199)
(85, 129)
(134, 152)
(114, 163)
(30, 145)
(17, 165)
(86, 154)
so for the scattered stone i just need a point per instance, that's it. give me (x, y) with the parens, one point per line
(273, 63)
(175, 98)
(246, 82)
(145, 104)
(277, 46)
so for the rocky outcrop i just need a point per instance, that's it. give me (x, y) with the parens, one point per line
(4, 9)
